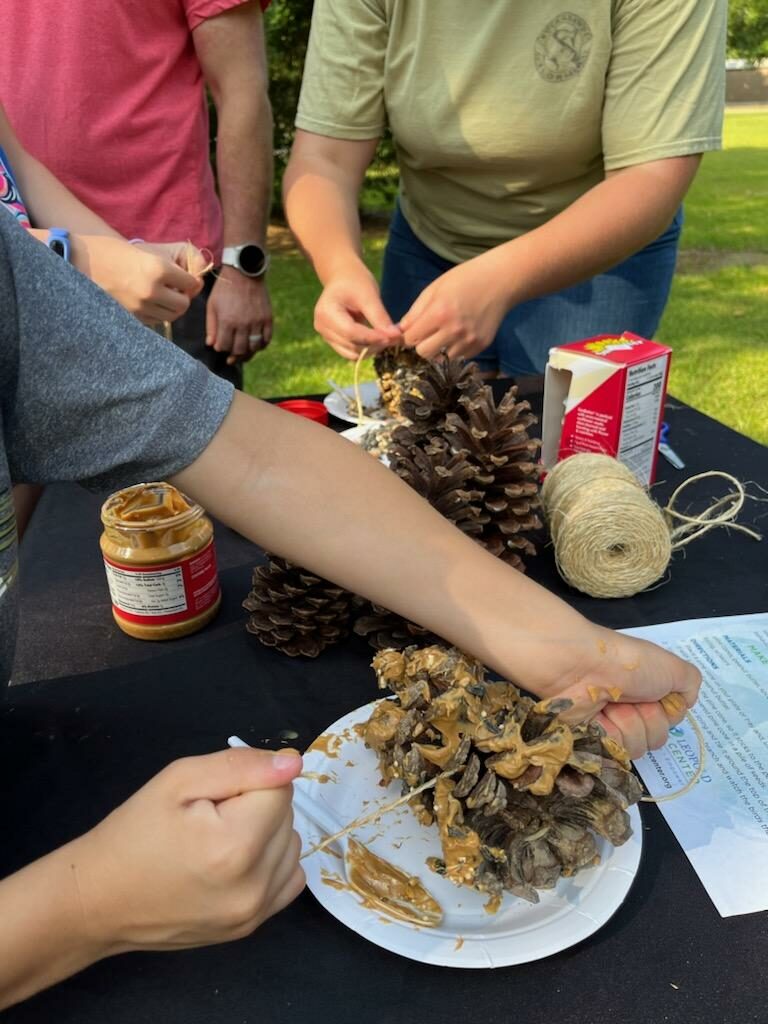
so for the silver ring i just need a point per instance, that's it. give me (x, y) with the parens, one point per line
(254, 338)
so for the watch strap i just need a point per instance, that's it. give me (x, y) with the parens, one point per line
(59, 241)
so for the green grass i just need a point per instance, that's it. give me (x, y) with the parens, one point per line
(727, 206)
(299, 362)
(717, 326)
(716, 322)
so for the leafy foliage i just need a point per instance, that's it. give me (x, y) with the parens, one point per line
(748, 29)
(288, 23)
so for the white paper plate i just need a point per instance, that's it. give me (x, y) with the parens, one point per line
(468, 937)
(355, 435)
(335, 404)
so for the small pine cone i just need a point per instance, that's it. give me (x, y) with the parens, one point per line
(386, 630)
(295, 611)
(397, 369)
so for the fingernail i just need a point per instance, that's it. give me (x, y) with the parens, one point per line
(286, 759)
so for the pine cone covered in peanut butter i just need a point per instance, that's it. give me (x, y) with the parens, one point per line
(295, 611)
(397, 368)
(521, 796)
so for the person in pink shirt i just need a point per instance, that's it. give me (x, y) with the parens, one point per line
(110, 96)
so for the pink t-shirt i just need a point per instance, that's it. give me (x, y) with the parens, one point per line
(109, 95)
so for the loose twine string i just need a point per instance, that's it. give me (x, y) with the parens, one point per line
(610, 538)
(697, 773)
(361, 417)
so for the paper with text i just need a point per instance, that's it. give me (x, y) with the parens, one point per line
(722, 823)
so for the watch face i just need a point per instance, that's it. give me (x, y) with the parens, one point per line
(253, 259)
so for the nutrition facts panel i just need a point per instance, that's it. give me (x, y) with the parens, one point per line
(155, 592)
(640, 423)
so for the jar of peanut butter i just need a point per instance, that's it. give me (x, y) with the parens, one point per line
(160, 561)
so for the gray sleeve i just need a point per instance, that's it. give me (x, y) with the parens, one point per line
(89, 394)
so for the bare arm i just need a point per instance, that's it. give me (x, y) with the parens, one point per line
(321, 187)
(372, 534)
(42, 938)
(50, 204)
(232, 54)
(629, 209)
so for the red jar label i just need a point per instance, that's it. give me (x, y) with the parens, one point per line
(159, 595)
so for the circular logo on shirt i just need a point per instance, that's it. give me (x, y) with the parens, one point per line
(562, 48)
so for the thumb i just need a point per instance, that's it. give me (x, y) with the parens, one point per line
(229, 773)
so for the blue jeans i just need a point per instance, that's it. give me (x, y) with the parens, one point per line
(630, 297)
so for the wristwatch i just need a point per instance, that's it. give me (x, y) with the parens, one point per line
(58, 241)
(250, 259)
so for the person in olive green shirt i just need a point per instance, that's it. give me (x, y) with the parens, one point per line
(544, 150)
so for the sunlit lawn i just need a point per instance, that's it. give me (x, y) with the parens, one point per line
(727, 207)
(716, 322)
(717, 326)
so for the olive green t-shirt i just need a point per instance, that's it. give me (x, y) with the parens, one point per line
(504, 112)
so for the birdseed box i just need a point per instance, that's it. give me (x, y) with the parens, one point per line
(606, 394)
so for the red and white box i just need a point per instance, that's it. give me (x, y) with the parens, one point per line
(606, 394)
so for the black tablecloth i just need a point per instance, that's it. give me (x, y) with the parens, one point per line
(104, 712)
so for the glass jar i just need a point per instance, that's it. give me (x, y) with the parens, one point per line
(160, 562)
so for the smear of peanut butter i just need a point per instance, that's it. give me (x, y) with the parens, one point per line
(327, 744)
(389, 889)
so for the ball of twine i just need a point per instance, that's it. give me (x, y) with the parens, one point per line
(610, 539)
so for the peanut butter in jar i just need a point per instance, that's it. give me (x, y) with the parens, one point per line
(160, 562)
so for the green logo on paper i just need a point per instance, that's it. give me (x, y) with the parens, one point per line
(562, 48)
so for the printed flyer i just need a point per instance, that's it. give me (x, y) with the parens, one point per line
(724, 818)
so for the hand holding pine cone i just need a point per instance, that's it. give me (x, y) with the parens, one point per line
(527, 793)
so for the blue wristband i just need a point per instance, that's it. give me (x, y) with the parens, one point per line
(58, 241)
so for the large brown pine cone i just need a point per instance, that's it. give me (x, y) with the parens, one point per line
(296, 611)
(445, 480)
(434, 393)
(495, 438)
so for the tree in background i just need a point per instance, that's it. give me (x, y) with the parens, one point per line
(287, 23)
(748, 29)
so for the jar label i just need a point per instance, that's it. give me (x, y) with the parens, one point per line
(158, 595)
